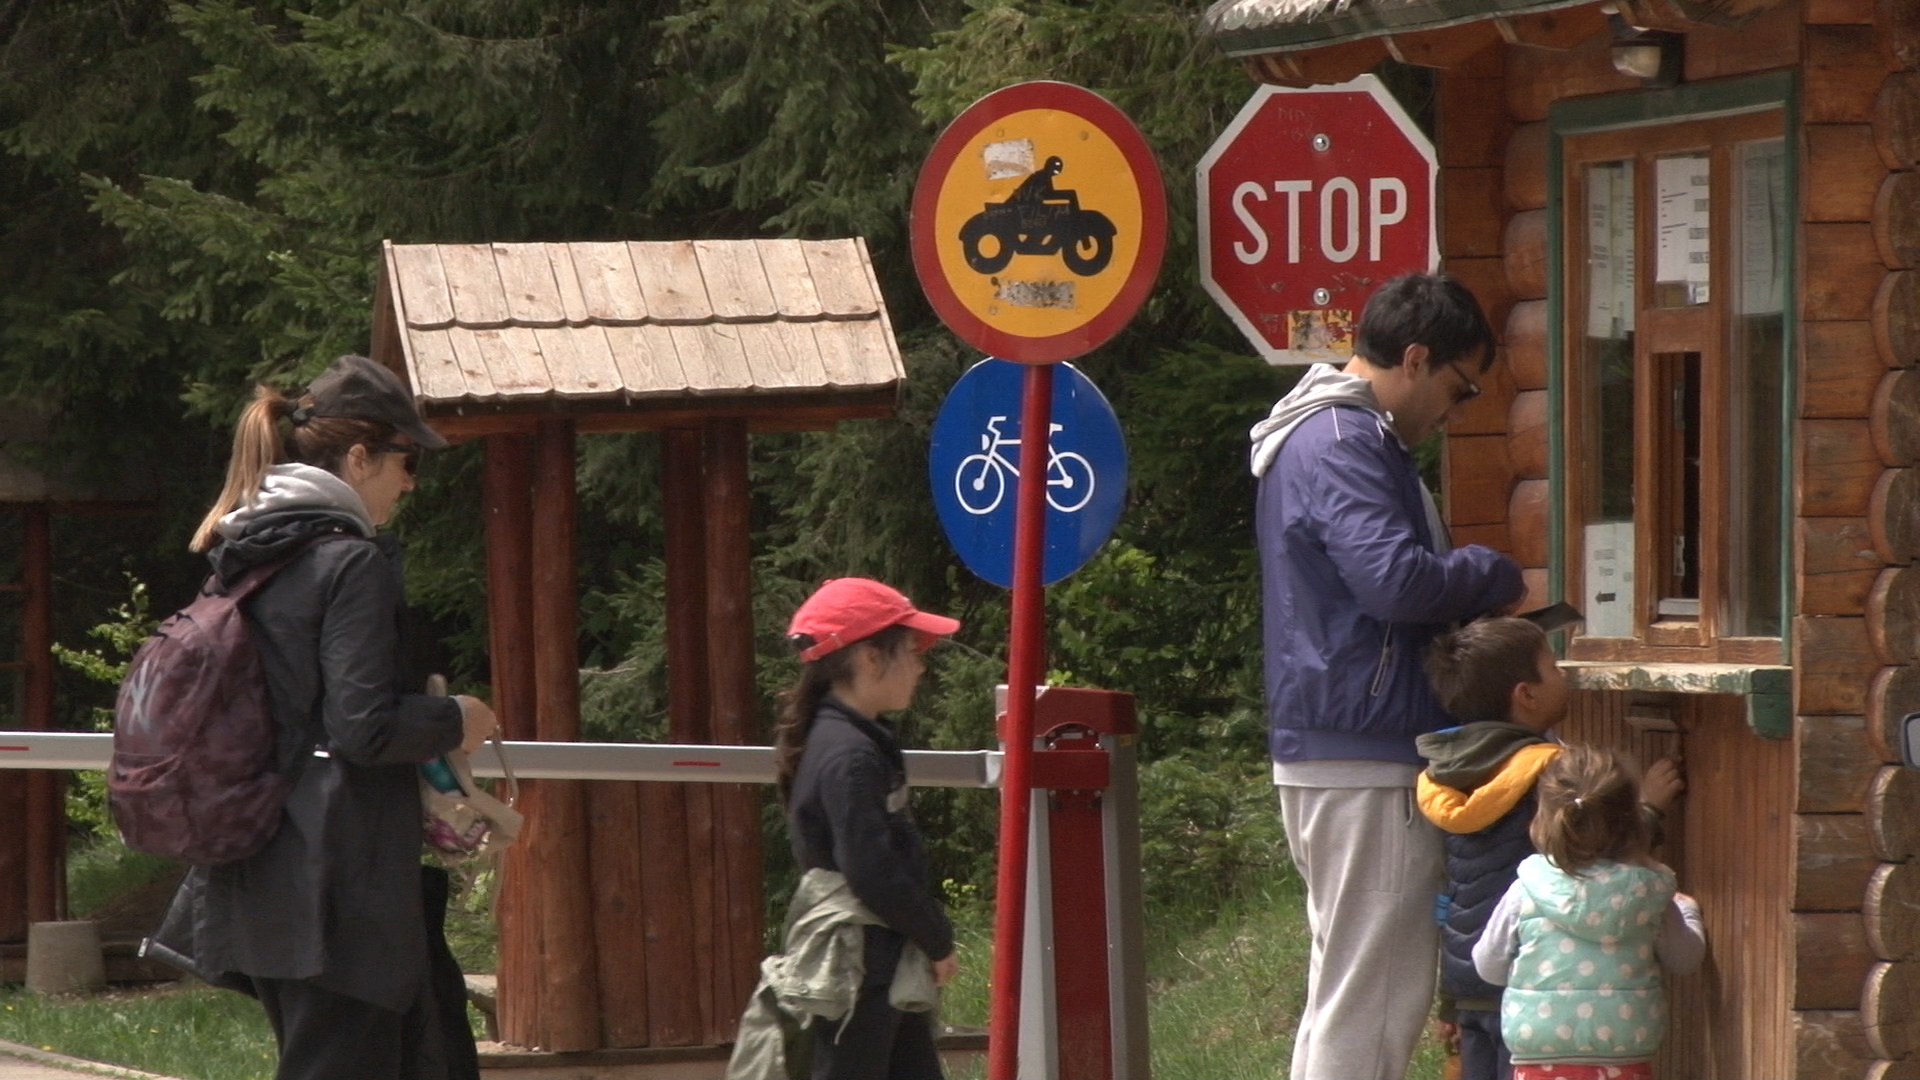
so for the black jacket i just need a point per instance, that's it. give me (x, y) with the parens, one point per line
(335, 896)
(848, 812)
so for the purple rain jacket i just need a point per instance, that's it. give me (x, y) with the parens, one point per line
(1354, 580)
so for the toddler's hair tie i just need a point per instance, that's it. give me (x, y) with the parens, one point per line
(1579, 803)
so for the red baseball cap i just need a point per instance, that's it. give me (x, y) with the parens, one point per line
(847, 609)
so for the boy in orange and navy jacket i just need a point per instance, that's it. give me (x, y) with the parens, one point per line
(1500, 678)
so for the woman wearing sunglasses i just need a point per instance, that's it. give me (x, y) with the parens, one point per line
(334, 925)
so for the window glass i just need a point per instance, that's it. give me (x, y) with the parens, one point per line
(1752, 605)
(1607, 365)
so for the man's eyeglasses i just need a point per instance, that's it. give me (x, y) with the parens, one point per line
(412, 460)
(1468, 388)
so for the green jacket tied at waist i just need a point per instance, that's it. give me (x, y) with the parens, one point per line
(818, 976)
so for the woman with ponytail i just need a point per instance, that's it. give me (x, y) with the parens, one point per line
(334, 924)
(863, 924)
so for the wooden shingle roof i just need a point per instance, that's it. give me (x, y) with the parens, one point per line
(1251, 27)
(701, 325)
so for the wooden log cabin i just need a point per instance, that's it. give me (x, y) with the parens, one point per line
(630, 913)
(1697, 225)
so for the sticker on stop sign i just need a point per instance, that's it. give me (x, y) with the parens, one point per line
(1310, 200)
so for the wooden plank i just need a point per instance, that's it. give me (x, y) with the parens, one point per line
(1473, 213)
(1527, 435)
(840, 279)
(1893, 813)
(1843, 70)
(1833, 959)
(1836, 764)
(514, 362)
(479, 300)
(425, 300)
(1836, 664)
(1895, 418)
(566, 279)
(1527, 511)
(1486, 279)
(1888, 1009)
(1839, 370)
(1891, 909)
(1470, 116)
(1833, 861)
(1770, 39)
(527, 278)
(736, 283)
(619, 912)
(1525, 252)
(1525, 170)
(649, 362)
(1896, 220)
(791, 283)
(1893, 516)
(672, 957)
(1478, 479)
(1844, 172)
(782, 354)
(436, 369)
(1323, 66)
(1837, 565)
(608, 287)
(1526, 344)
(13, 858)
(1893, 615)
(1537, 583)
(857, 354)
(704, 882)
(1446, 47)
(1896, 318)
(1896, 120)
(1562, 28)
(1829, 1045)
(1895, 692)
(1894, 1070)
(669, 276)
(712, 358)
(579, 361)
(1843, 271)
(1493, 535)
(473, 362)
(682, 496)
(1859, 12)
(1838, 468)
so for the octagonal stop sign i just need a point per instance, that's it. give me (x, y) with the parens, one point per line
(1309, 201)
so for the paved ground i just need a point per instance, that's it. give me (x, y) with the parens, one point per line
(25, 1063)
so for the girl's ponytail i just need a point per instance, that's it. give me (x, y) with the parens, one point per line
(1589, 809)
(257, 447)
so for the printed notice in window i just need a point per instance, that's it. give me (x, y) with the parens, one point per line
(1683, 254)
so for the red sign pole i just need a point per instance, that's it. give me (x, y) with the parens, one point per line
(1026, 667)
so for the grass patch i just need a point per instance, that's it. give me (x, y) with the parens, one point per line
(190, 1030)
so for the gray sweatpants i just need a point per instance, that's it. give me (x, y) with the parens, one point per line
(1373, 864)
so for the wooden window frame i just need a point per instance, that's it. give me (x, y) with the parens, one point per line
(1640, 130)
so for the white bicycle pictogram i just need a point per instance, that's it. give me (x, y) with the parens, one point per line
(980, 481)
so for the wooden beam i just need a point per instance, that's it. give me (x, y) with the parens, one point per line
(763, 413)
(559, 845)
(1563, 28)
(1322, 66)
(1444, 48)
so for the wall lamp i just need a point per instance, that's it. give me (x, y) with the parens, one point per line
(1653, 56)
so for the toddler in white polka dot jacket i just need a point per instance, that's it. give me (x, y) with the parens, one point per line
(1581, 938)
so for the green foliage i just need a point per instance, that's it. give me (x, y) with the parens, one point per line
(120, 636)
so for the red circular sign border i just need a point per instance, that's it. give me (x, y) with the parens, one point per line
(1101, 113)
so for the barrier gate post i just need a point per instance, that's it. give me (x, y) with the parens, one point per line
(1083, 1008)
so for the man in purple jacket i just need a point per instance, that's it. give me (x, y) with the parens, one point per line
(1357, 577)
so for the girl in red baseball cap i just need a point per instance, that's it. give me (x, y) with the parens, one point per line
(844, 782)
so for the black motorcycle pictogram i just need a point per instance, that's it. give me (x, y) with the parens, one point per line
(1039, 219)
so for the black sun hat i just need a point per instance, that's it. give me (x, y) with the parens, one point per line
(356, 388)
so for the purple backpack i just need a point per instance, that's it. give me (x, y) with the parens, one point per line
(193, 775)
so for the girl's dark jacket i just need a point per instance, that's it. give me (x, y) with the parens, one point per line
(848, 812)
(335, 896)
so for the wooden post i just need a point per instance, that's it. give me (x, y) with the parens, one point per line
(506, 498)
(46, 814)
(558, 841)
(732, 694)
(681, 489)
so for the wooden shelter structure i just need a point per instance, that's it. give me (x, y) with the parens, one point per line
(630, 914)
(32, 491)
(1702, 431)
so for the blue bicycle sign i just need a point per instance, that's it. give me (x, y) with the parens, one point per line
(974, 468)
(981, 480)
